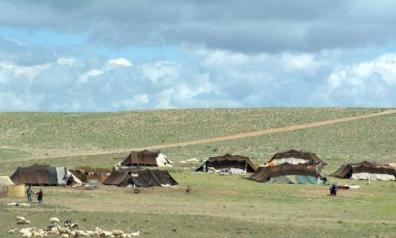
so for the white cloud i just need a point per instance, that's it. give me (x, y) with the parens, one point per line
(69, 61)
(370, 83)
(30, 72)
(304, 62)
(111, 64)
(164, 71)
(91, 73)
(117, 62)
(201, 78)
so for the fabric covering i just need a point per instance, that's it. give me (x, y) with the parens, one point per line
(295, 179)
(37, 175)
(287, 173)
(141, 158)
(296, 157)
(5, 181)
(140, 178)
(363, 170)
(228, 161)
(371, 176)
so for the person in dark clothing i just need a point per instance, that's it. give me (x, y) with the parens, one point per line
(40, 195)
(131, 183)
(333, 189)
(70, 181)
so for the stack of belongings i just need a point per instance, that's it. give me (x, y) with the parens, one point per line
(366, 170)
(291, 167)
(9, 189)
(228, 164)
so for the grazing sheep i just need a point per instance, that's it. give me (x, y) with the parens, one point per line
(27, 234)
(54, 220)
(24, 230)
(12, 231)
(117, 233)
(53, 230)
(74, 226)
(135, 234)
(22, 220)
(65, 236)
(62, 230)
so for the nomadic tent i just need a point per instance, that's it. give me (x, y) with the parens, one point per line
(296, 157)
(288, 173)
(366, 170)
(139, 178)
(37, 175)
(238, 163)
(9, 189)
(146, 158)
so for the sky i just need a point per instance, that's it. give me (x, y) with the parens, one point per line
(92, 56)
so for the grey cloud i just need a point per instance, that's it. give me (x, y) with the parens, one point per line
(253, 26)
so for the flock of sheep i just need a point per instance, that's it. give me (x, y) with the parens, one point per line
(69, 230)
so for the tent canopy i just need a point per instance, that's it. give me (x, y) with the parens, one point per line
(228, 161)
(144, 158)
(305, 173)
(348, 170)
(296, 157)
(139, 178)
(37, 175)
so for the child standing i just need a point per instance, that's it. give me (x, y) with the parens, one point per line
(40, 196)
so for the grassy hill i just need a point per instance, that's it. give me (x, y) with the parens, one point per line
(55, 134)
(219, 206)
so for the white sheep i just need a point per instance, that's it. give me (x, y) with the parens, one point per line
(54, 231)
(23, 230)
(81, 233)
(135, 234)
(54, 220)
(117, 233)
(62, 231)
(12, 231)
(27, 234)
(65, 236)
(22, 220)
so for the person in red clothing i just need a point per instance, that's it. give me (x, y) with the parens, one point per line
(40, 196)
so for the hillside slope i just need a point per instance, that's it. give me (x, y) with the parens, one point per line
(56, 134)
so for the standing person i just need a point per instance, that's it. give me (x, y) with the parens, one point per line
(333, 189)
(40, 196)
(29, 193)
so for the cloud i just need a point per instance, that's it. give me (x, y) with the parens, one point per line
(119, 62)
(202, 77)
(70, 61)
(370, 83)
(111, 64)
(19, 70)
(164, 71)
(257, 26)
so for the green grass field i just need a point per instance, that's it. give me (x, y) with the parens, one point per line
(55, 134)
(219, 206)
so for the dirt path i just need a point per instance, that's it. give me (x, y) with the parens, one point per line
(244, 134)
(268, 131)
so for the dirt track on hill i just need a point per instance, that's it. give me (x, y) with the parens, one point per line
(268, 131)
(237, 136)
